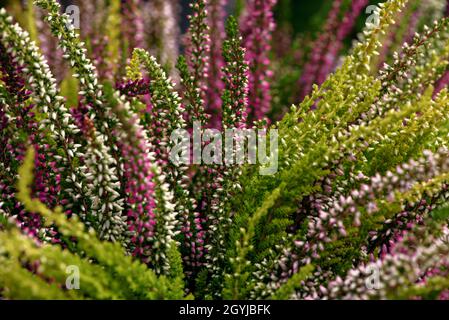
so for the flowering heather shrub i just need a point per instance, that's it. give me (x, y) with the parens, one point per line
(358, 206)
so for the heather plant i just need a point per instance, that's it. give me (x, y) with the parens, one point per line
(358, 205)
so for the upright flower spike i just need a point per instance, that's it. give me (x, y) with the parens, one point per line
(303, 155)
(105, 267)
(399, 32)
(223, 180)
(11, 75)
(258, 26)
(165, 117)
(345, 27)
(214, 83)
(197, 58)
(414, 21)
(167, 225)
(309, 74)
(75, 53)
(326, 48)
(63, 132)
(17, 128)
(235, 96)
(415, 15)
(140, 188)
(13, 149)
(20, 128)
(405, 76)
(106, 178)
(166, 103)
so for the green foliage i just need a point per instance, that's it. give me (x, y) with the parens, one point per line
(287, 289)
(105, 271)
(363, 171)
(69, 89)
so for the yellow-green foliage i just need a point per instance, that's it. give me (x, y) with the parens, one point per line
(105, 271)
(362, 161)
(133, 69)
(69, 89)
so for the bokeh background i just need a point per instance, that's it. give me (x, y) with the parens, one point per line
(302, 15)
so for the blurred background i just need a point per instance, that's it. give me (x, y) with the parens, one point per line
(302, 15)
(299, 25)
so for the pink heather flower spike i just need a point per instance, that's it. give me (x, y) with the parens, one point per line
(236, 80)
(15, 119)
(441, 83)
(257, 27)
(417, 258)
(444, 80)
(135, 88)
(150, 211)
(140, 191)
(331, 212)
(197, 48)
(214, 84)
(326, 48)
(312, 68)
